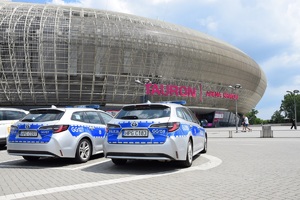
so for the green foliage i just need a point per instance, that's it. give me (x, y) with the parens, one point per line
(277, 117)
(287, 106)
(253, 119)
(252, 116)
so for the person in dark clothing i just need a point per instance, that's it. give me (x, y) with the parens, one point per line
(293, 124)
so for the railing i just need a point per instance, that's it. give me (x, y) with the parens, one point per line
(256, 132)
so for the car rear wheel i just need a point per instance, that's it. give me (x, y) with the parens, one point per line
(189, 155)
(31, 158)
(119, 161)
(205, 145)
(83, 151)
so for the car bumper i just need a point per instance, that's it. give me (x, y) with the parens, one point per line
(2, 141)
(173, 149)
(59, 145)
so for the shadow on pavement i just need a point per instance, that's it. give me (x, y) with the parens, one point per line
(140, 167)
(44, 162)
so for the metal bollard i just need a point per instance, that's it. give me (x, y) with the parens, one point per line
(230, 134)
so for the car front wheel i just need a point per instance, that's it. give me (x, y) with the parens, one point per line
(83, 151)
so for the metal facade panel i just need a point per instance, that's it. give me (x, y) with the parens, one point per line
(67, 55)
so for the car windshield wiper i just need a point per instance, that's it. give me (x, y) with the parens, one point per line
(130, 117)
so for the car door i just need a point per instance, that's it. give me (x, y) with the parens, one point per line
(97, 128)
(194, 128)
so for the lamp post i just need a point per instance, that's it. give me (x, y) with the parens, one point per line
(235, 87)
(145, 81)
(294, 93)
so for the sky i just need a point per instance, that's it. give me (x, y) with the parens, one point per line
(267, 31)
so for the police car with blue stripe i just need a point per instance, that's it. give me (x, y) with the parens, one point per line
(74, 132)
(155, 131)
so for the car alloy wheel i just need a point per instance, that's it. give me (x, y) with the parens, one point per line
(189, 155)
(83, 152)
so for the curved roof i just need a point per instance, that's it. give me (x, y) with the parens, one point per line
(69, 55)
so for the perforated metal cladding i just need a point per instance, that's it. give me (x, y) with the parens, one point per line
(68, 55)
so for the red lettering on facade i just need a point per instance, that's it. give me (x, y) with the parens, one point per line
(191, 92)
(148, 88)
(174, 90)
(183, 91)
(155, 89)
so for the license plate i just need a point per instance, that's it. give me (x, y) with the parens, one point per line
(135, 133)
(28, 134)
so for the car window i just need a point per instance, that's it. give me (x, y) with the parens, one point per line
(179, 113)
(80, 116)
(43, 116)
(13, 115)
(143, 112)
(77, 116)
(105, 117)
(94, 117)
(187, 115)
(194, 118)
(184, 114)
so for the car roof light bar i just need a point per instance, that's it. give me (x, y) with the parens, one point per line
(95, 106)
(181, 102)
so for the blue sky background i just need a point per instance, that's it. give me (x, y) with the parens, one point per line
(267, 31)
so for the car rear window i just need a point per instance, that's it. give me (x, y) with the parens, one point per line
(143, 112)
(43, 115)
(11, 115)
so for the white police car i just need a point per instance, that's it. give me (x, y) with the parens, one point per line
(155, 131)
(59, 132)
(8, 116)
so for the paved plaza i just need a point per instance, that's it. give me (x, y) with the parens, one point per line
(245, 166)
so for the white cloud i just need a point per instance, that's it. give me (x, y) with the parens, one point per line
(286, 60)
(210, 23)
(296, 80)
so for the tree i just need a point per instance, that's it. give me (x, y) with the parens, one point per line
(252, 116)
(253, 119)
(277, 117)
(287, 106)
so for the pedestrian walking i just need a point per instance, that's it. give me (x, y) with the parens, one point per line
(246, 123)
(293, 124)
(243, 125)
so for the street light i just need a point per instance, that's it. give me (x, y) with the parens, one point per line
(294, 93)
(237, 86)
(145, 81)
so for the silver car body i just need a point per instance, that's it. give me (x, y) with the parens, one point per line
(158, 143)
(9, 116)
(35, 139)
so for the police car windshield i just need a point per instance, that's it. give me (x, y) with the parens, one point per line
(43, 116)
(143, 112)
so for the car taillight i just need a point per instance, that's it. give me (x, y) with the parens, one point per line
(108, 126)
(12, 128)
(171, 126)
(56, 128)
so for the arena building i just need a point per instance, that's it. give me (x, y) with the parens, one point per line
(62, 55)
